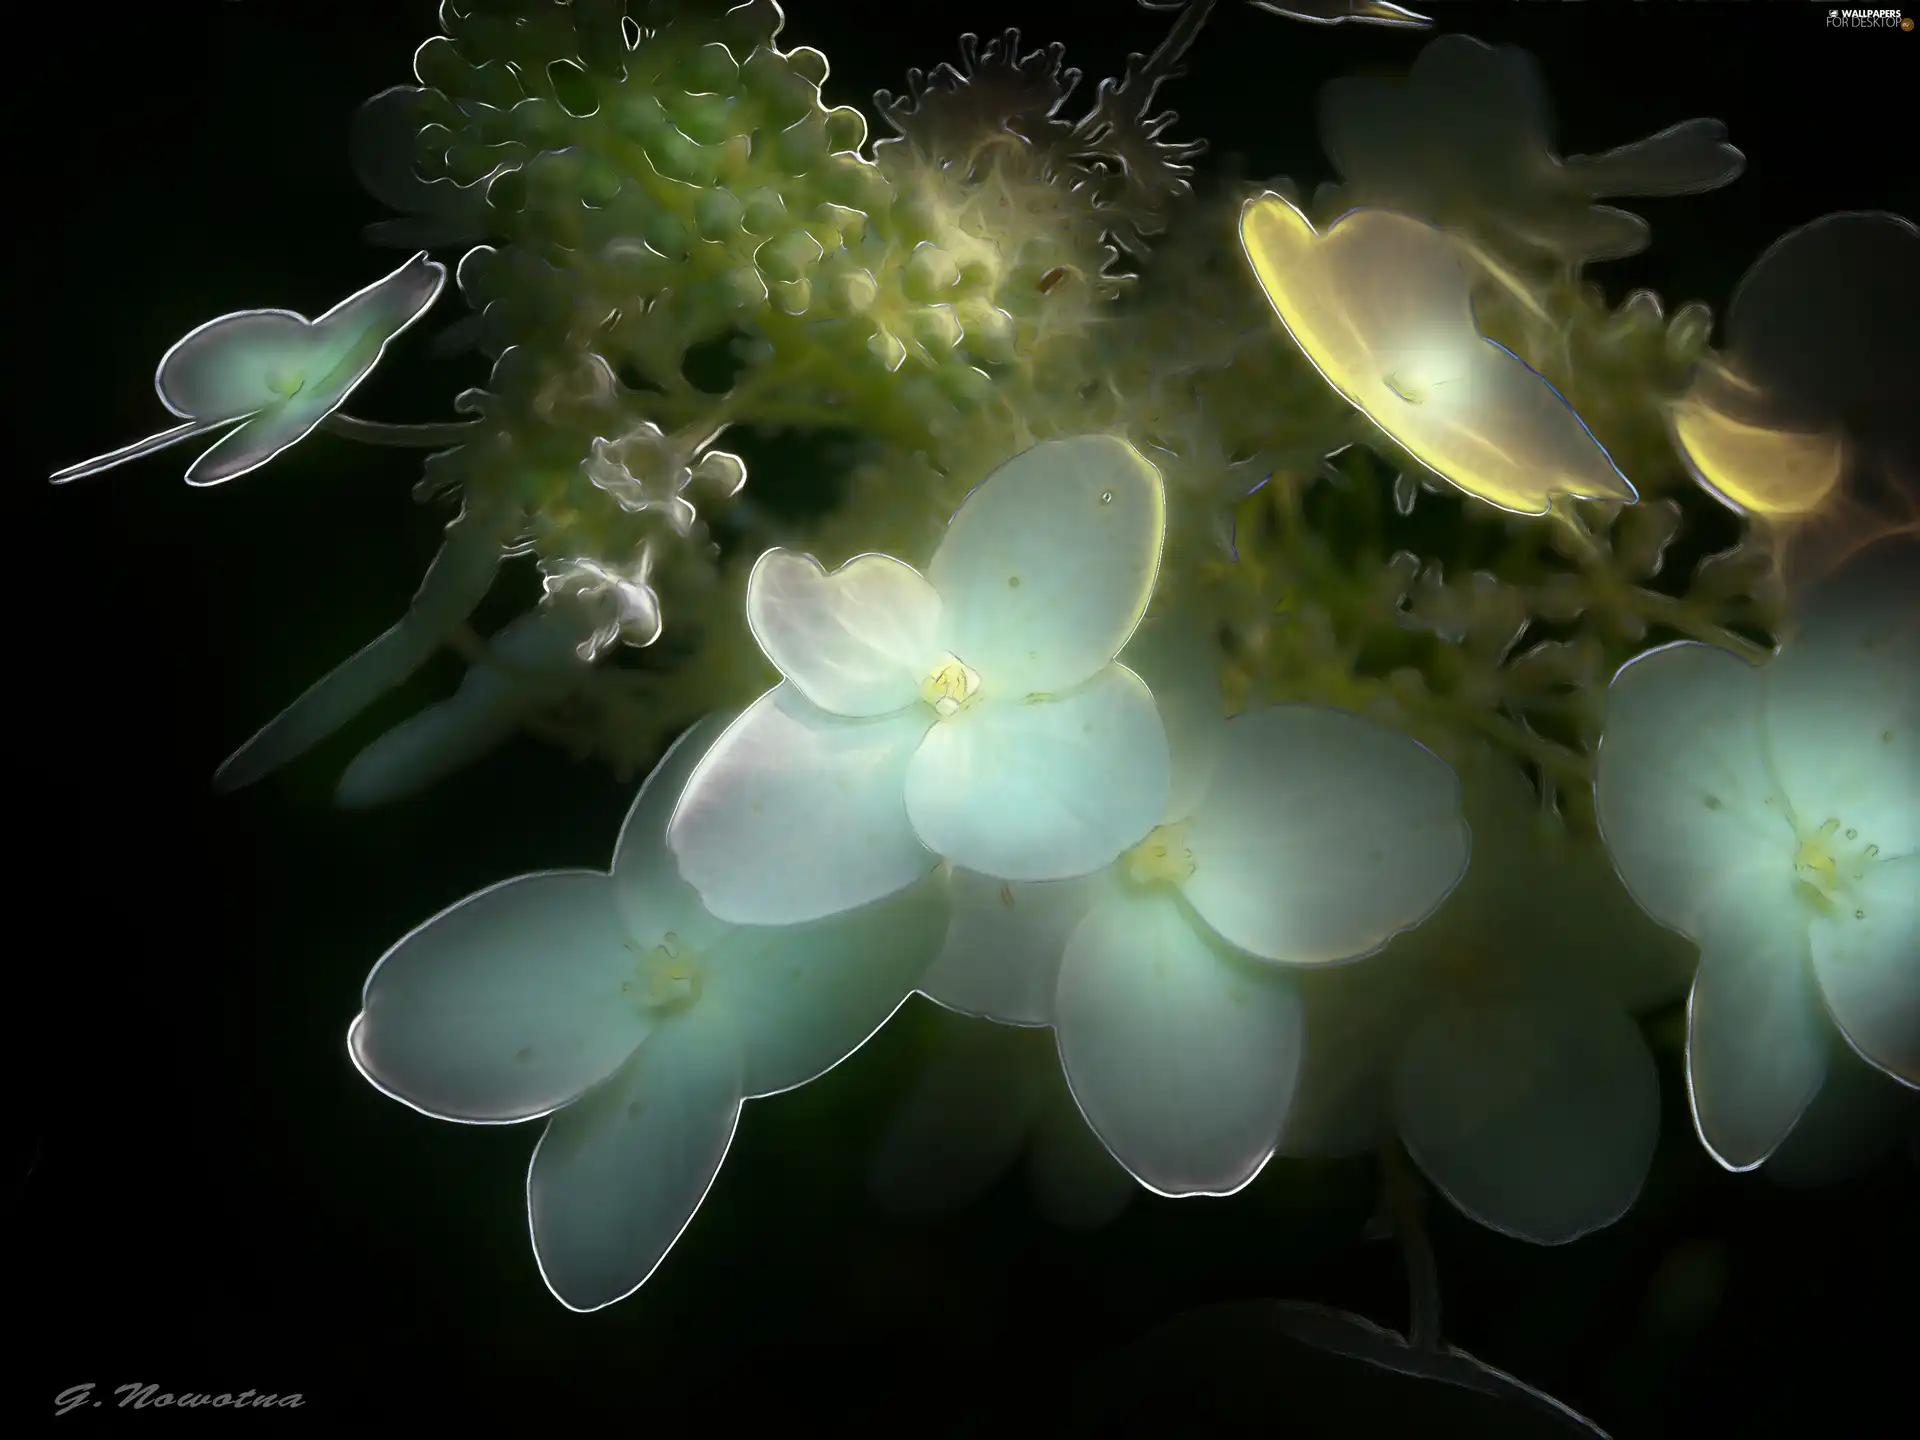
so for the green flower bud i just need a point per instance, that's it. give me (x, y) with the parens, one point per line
(764, 212)
(708, 119)
(789, 256)
(677, 157)
(931, 273)
(792, 296)
(854, 292)
(846, 129)
(887, 348)
(667, 233)
(802, 145)
(710, 70)
(937, 328)
(717, 214)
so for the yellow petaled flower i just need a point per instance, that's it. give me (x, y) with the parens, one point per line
(1383, 308)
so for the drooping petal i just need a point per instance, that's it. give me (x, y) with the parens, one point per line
(1178, 657)
(1756, 1037)
(1383, 308)
(804, 998)
(254, 442)
(1183, 1057)
(458, 580)
(1536, 1116)
(964, 1119)
(1003, 947)
(1322, 835)
(1043, 790)
(1867, 962)
(1843, 702)
(1074, 1180)
(619, 1173)
(504, 1006)
(1682, 791)
(795, 814)
(1047, 567)
(855, 642)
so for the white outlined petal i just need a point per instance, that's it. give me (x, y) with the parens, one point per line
(857, 641)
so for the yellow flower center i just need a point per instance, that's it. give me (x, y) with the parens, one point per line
(1827, 863)
(666, 977)
(950, 687)
(1162, 858)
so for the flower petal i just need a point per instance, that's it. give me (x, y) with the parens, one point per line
(256, 441)
(1383, 308)
(805, 998)
(1043, 790)
(504, 1006)
(1046, 568)
(795, 814)
(1074, 1180)
(964, 1119)
(1536, 1116)
(1178, 658)
(1867, 962)
(855, 642)
(1322, 835)
(619, 1174)
(1756, 1039)
(224, 369)
(1681, 788)
(1003, 947)
(1182, 1056)
(455, 583)
(647, 886)
(1843, 702)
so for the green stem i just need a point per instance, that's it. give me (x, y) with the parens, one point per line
(1406, 1205)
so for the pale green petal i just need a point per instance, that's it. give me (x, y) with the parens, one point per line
(1535, 1115)
(504, 1006)
(620, 1173)
(1183, 1057)
(255, 442)
(1074, 1180)
(1843, 702)
(1047, 567)
(1178, 656)
(964, 1119)
(1686, 806)
(795, 814)
(855, 642)
(1044, 790)
(1756, 1036)
(1323, 835)
(647, 886)
(1867, 961)
(1859, 1116)
(806, 997)
(1002, 951)
(223, 369)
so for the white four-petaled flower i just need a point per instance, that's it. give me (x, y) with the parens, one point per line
(1772, 815)
(274, 374)
(974, 714)
(616, 1004)
(1293, 836)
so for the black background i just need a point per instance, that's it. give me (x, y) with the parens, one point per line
(208, 1197)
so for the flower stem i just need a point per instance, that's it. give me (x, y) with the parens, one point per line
(1406, 1205)
(378, 432)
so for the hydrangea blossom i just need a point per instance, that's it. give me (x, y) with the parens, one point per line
(274, 374)
(1383, 307)
(1773, 816)
(1497, 1041)
(975, 713)
(1293, 836)
(614, 1003)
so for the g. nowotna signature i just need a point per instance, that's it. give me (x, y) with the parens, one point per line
(136, 1396)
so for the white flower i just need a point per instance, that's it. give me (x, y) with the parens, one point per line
(973, 714)
(1497, 1041)
(617, 1005)
(1293, 836)
(1383, 308)
(274, 373)
(1773, 816)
